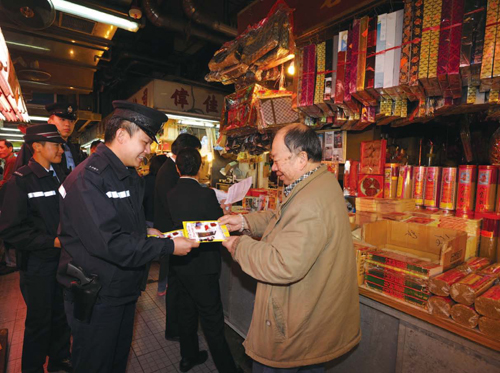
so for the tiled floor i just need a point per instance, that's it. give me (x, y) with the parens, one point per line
(150, 351)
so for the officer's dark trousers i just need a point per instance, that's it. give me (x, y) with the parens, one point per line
(102, 346)
(171, 303)
(200, 296)
(46, 330)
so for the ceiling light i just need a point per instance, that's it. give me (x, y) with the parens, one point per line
(38, 119)
(10, 129)
(27, 46)
(181, 117)
(95, 15)
(15, 140)
(11, 135)
(291, 69)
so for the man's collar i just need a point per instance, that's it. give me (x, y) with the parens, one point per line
(121, 170)
(38, 169)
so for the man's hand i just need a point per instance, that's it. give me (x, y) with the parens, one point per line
(57, 243)
(231, 243)
(225, 208)
(233, 222)
(155, 232)
(183, 245)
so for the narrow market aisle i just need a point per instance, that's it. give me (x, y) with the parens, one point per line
(150, 351)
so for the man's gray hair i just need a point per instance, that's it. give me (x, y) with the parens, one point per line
(299, 137)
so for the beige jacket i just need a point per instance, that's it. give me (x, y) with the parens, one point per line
(307, 306)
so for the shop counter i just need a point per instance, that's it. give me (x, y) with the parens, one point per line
(395, 337)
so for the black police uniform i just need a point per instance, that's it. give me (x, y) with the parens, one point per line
(29, 221)
(103, 230)
(65, 111)
(25, 154)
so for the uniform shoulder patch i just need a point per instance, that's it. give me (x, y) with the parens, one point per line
(97, 165)
(23, 171)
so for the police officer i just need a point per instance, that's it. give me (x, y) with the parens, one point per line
(63, 116)
(103, 231)
(29, 221)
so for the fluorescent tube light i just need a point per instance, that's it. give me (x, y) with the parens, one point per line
(10, 129)
(38, 119)
(11, 135)
(182, 117)
(27, 46)
(95, 15)
(15, 140)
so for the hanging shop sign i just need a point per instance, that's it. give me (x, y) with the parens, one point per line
(12, 106)
(180, 98)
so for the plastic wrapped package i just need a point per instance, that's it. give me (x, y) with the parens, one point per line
(490, 327)
(493, 269)
(440, 306)
(276, 111)
(470, 287)
(488, 304)
(385, 276)
(489, 238)
(351, 176)
(475, 264)
(229, 54)
(441, 284)
(373, 157)
(495, 148)
(464, 315)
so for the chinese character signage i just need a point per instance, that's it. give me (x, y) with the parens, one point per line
(177, 97)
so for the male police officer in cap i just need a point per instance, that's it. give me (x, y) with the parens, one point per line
(29, 221)
(63, 116)
(103, 231)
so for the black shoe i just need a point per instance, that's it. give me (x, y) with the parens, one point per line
(172, 338)
(188, 364)
(7, 270)
(63, 366)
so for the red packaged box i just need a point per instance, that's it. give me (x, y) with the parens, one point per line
(373, 157)
(371, 186)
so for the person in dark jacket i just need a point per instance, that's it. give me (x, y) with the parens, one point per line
(103, 232)
(199, 271)
(29, 221)
(63, 116)
(150, 180)
(165, 180)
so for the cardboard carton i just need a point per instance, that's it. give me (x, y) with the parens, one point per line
(445, 247)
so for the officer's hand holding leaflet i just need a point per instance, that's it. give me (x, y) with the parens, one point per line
(184, 245)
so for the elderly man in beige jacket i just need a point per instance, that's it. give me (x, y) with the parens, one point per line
(306, 308)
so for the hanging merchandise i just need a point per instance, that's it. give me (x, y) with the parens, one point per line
(256, 108)
(261, 47)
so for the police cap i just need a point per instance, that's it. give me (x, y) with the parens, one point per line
(148, 119)
(62, 110)
(42, 132)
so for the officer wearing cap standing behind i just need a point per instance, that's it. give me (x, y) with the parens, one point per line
(103, 231)
(63, 116)
(29, 221)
